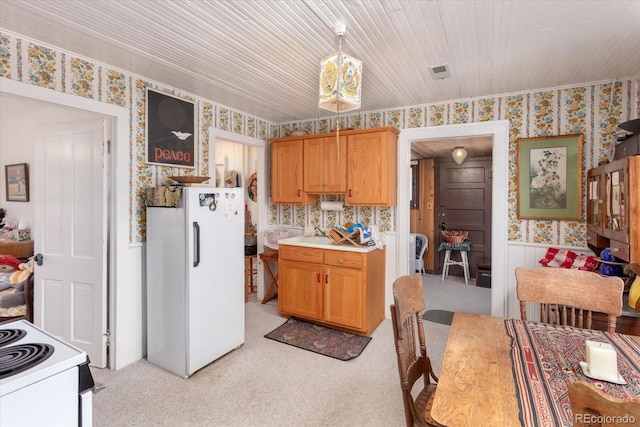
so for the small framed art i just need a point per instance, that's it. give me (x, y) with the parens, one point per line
(17, 182)
(171, 136)
(550, 177)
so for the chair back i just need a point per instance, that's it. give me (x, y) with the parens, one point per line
(411, 350)
(568, 297)
(422, 244)
(590, 405)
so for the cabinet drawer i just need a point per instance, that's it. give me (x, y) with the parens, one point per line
(620, 250)
(343, 259)
(597, 240)
(301, 253)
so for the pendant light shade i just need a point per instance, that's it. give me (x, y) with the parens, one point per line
(340, 80)
(459, 154)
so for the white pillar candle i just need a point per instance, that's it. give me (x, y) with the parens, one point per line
(602, 360)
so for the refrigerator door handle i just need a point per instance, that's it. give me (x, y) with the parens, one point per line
(196, 243)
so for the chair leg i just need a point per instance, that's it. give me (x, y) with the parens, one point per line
(465, 266)
(445, 268)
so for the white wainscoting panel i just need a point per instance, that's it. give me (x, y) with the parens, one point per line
(521, 254)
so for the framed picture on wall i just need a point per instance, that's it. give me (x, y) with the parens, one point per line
(550, 177)
(16, 178)
(170, 126)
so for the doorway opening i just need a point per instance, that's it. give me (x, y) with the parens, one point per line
(122, 345)
(249, 154)
(498, 131)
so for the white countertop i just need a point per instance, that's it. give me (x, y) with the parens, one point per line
(322, 242)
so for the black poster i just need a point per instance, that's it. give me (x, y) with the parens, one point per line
(171, 139)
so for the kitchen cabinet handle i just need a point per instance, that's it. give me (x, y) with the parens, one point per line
(349, 192)
(326, 278)
(615, 249)
(299, 192)
(318, 277)
(341, 260)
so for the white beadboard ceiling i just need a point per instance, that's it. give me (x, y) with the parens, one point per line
(262, 56)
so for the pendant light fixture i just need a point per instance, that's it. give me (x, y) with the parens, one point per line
(340, 79)
(459, 154)
(340, 82)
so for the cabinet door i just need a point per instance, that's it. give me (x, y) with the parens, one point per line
(286, 173)
(335, 165)
(615, 218)
(594, 200)
(300, 289)
(325, 165)
(314, 165)
(372, 169)
(344, 297)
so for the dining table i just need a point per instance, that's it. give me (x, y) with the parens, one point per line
(511, 372)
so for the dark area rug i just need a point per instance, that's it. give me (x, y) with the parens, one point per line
(439, 316)
(319, 339)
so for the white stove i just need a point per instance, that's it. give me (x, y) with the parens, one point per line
(40, 379)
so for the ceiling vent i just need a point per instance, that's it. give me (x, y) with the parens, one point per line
(440, 71)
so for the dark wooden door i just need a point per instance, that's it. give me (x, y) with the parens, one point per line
(463, 201)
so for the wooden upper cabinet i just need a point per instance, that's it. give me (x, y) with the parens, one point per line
(363, 166)
(372, 177)
(287, 173)
(325, 165)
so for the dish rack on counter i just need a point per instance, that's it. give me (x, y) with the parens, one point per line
(338, 236)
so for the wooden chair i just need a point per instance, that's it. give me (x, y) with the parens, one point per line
(413, 362)
(568, 297)
(587, 403)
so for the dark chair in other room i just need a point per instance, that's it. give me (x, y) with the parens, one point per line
(588, 403)
(568, 297)
(413, 362)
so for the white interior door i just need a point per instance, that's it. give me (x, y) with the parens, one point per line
(70, 232)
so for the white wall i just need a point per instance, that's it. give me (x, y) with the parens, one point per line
(20, 120)
(242, 159)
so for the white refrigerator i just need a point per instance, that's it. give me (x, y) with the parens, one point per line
(195, 279)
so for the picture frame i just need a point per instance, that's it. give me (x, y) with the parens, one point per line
(170, 130)
(16, 178)
(549, 177)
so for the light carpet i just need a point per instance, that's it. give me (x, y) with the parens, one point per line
(265, 383)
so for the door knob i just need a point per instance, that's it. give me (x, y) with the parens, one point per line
(38, 259)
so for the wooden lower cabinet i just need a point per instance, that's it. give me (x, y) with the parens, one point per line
(340, 289)
(299, 289)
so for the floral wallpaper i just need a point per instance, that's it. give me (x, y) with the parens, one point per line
(591, 109)
(47, 67)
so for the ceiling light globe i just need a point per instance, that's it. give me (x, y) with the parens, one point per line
(459, 154)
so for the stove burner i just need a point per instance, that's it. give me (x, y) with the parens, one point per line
(7, 336)
(20, 357)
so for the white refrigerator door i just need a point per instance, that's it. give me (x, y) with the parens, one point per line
(215, 292)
